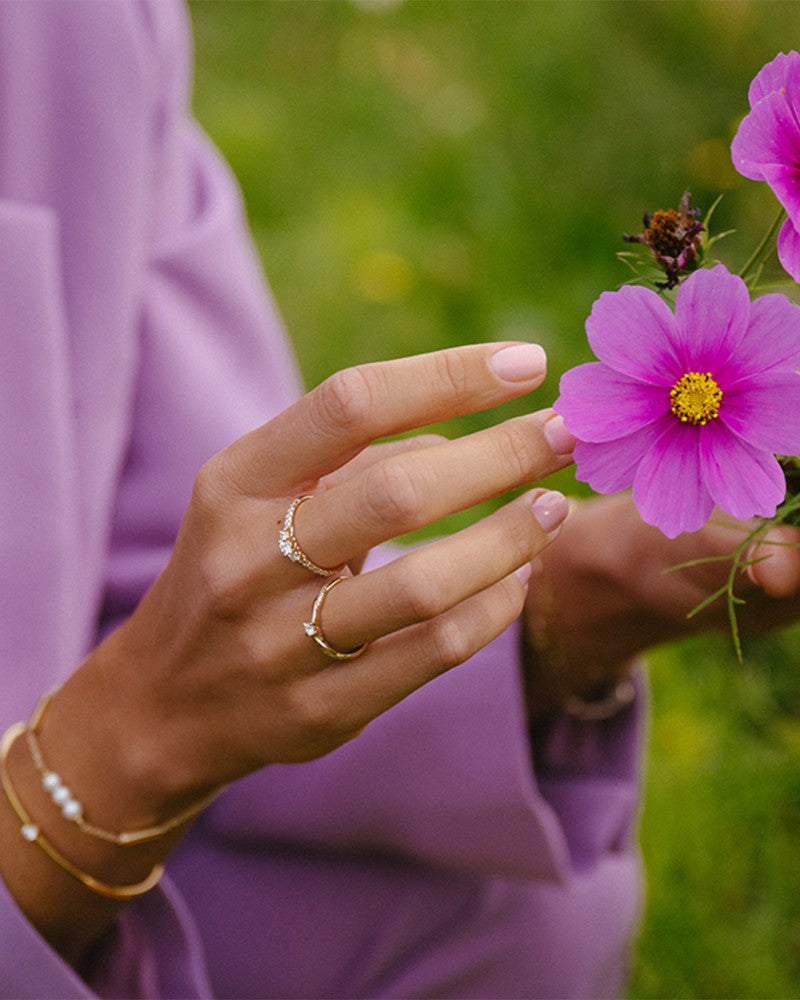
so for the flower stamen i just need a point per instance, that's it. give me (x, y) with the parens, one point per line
(695, 398)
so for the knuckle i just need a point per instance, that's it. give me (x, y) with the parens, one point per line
(219, 578)
(208, 489)
(512, 602)
(518, 449)
(394, 495)
(421, 591)
(314, 711)
(222, 573)
(345, 400)
(520, 534)
(450, 642)
(451, 368)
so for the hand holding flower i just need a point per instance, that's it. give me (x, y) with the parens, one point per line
(605, 592)
(697, 407)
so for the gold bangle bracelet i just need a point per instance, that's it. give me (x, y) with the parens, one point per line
(31, 832)
(72, 810)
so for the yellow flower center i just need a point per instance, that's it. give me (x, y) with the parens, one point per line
(695, 398)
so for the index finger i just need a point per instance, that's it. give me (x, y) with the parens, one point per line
(349, 410)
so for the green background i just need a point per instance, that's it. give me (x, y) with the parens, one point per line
(424, 174)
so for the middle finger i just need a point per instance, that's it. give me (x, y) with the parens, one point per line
(417, 488)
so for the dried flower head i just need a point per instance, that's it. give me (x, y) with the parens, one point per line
(674, 236)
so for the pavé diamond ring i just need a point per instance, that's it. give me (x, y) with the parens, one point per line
(290, 547)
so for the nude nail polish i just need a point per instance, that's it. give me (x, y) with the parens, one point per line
(523, 574)
(558, 437)
(550, 508)
(519, 363)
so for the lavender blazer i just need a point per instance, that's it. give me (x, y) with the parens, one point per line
(436, 855)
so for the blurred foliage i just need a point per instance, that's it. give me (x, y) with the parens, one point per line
(439, 172)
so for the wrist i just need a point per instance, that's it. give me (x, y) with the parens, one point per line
(116, 753)
(584, 622)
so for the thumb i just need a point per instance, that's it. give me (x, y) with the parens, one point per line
(777, 571)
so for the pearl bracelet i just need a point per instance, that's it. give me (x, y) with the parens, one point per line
(31, 832)
(72, 809)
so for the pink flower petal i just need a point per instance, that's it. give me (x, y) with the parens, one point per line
(767, 137)
(599, 404)
(632, 331)
(773, 76)
(791, 87)
(712, 312)
(743, 481)
(610, 466)
(789, 249)
(668, 487)
(765, 411)
(784, 179)
(772, 341)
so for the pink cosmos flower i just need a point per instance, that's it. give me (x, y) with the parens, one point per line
(689, 407)
(767, 146)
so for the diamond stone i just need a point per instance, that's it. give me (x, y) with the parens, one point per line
(30, 832)
(310, 629)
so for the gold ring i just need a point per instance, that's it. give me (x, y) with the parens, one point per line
(290, 547)
(313, 629)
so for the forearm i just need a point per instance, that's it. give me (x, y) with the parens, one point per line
(64, 880)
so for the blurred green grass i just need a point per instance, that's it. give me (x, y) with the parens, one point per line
(438, 172)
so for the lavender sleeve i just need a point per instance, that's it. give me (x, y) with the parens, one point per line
(139, 338)
(135, 322)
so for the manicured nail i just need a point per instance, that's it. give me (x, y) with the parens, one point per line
(558, 437)
(523, 574)
(550, 508)
(520, 363)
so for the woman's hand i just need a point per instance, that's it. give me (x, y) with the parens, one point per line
(602, 593)
(214, 675)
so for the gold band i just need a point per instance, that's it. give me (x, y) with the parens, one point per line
(290, 547)
(53, 784)
(313, 628)
(31, 832)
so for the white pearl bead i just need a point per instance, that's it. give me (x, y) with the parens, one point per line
(71, 809)
(61, 795)
(51, 781)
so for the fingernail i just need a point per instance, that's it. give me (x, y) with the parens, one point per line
(520, 363)
(550, 508)
(558, 437)
(523, 574)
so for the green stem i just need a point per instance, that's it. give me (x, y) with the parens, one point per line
(740, 560)
(760, 250)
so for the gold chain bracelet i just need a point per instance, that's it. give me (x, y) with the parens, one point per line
(71, 808)
(30, 831)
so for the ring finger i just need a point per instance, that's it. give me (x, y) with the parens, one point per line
(432, 579)
(400, 663)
